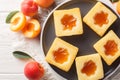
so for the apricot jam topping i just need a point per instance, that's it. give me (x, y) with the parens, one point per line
(111, 47)
(101, 18)
(68, 21)
(89, 68)
(60, 55)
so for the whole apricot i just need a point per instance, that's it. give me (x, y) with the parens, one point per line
(44, 3)
(118, 7)
(33, 70)
(29, 7)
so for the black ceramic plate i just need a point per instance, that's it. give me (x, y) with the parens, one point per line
(84, 42)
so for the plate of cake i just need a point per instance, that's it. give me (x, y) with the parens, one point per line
(80, 40)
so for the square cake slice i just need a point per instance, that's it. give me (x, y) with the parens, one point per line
(99, 18)
(108, 47)
(61, 54)
(68, 22)
(89, 67)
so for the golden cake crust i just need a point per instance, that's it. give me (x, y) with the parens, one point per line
(99, 46)
(80, 62)
(76, 30)
(89, 18)
(72, 51)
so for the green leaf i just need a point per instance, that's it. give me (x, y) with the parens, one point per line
(21, 55)
(10, 15)
(114, 0)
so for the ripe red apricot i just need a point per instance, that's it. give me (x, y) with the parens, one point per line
(29, 7)
(33, 70)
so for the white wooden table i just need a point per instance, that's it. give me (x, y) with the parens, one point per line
(12, 68)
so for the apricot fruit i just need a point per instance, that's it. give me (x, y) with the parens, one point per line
(29, 7)
(31, 29)
(17, 22)
(44, 3)
(118, 7)
(33, 70)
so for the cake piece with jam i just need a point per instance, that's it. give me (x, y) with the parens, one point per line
(89, 67)
(100, 18)
(61, 54)
(108, 47)
(68, 22)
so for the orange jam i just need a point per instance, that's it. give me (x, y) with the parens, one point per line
(89, 68)
(68, 21)
(111, 47)
(101, 18)
(60, 55)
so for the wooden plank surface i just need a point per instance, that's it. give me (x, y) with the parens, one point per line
(9, 5)
(10, 67)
